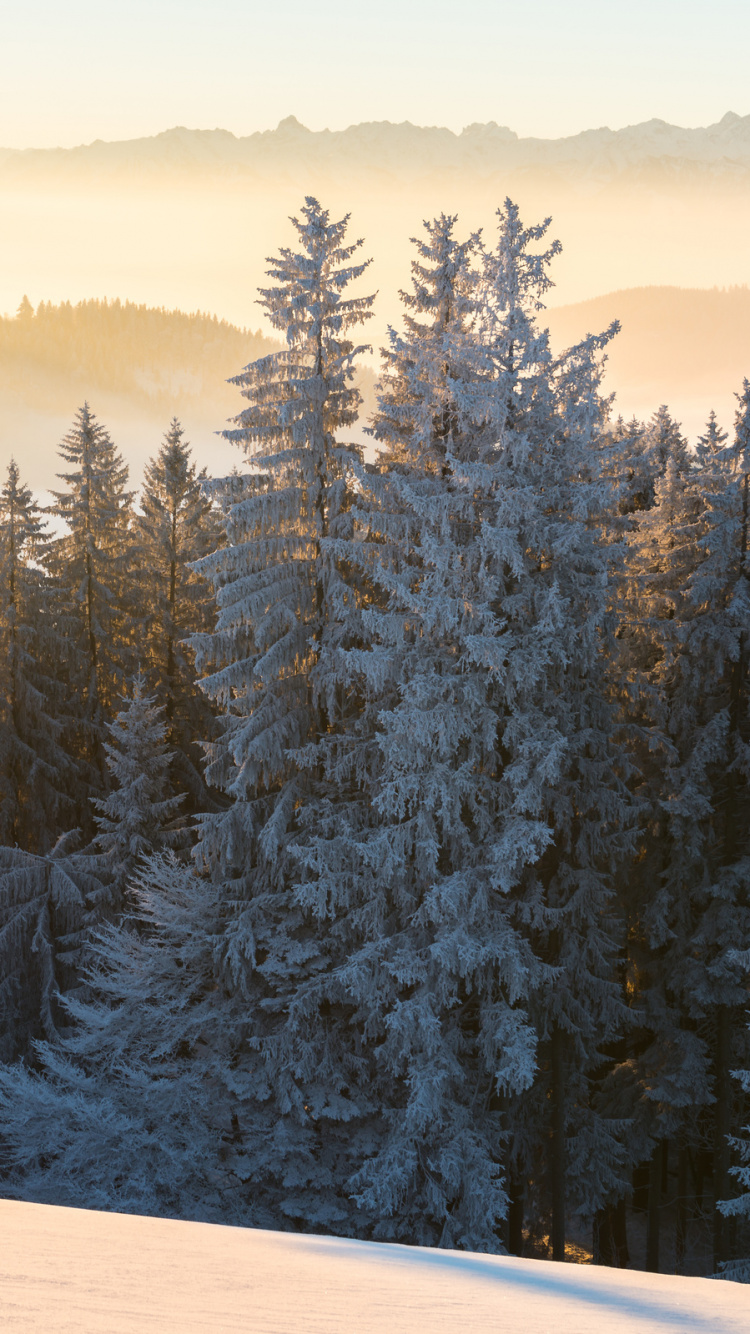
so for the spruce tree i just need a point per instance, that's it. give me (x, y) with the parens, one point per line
(556, 491)
(138, 817)
(711, 442)
(666, 442)
(663, 693)
(442, 828)
(90, 564)
(133, 1106)
(177, 526)
(276, 583)
(45, 919)
(34, 768)
(50, 906)
(693, 914)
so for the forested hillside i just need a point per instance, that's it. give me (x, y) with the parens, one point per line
(137, 366)
(152, 357)
(375, 854)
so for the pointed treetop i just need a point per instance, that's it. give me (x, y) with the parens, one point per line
(712, 441)
(137, 818)
(308, 285)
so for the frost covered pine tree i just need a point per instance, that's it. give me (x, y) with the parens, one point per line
(694, 914)
(399, 855)
(34, 768)
(563, 770)
(276, 584)
(138, 817)
(483, 725)
(666, 691)
(177, 526)
(50, 905)
(281, 590)
(134, 1105)
(711, 442)
(717, 979)
(90, 565)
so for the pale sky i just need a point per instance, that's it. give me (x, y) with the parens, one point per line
(84, 69)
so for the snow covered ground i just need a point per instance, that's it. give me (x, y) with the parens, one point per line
(94, 1273)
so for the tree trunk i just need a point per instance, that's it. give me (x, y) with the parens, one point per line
(603, 1238)
(558, 1146)
(664, 1167)
(620, 1234)
(722, 1127)
(515, 1217)
(681, 1219)
(654, 1212)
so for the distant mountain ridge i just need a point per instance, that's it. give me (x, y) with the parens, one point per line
(651, 149)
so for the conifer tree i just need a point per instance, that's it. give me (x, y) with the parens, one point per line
(280, 588)
(133, 1106)
(476, 738)
(672, 1063)
(276, 583)
(178, 525)
(90, 564)
(667, 442)
(694, 911)
(562, 768)
(49, 906)
(45, 918)
(34, 769)
(138, 817)
(711, 442)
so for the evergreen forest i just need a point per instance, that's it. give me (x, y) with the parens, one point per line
(375, 822)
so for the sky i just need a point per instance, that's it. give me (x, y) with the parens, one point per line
(87, 69)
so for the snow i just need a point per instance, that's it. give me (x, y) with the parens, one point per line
(77, 1271)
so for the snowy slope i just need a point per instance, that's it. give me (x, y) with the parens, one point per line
(90, 1273)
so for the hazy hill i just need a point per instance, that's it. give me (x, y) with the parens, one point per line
(137, 366)
(687, 347)
(154, 358)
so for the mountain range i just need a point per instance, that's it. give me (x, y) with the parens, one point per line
(652, 152)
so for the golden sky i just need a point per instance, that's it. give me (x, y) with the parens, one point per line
(116, 69)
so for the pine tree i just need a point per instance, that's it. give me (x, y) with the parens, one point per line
(667, 442)
(275, 583)
(562, 767)
(137, 818)
(279, 587)
(711, 442)
(50, 906)
(482, 726)
(34, 768)
(90, 564)
(718, 977)
(44, 921)
(663, 694)
(178, 526)
(133, 1107)
(694, 912)
(423, 969)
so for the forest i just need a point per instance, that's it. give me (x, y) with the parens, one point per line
(149, 354)
(375, 834)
